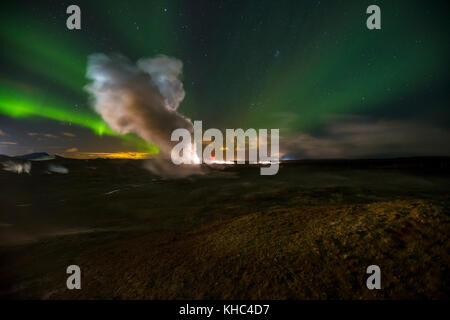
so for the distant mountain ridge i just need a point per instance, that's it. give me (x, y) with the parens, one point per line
(36, 156)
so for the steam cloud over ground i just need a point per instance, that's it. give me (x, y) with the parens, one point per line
(143, 99)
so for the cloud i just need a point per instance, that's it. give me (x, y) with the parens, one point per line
(72, 150)
(140, 98)
(357, 137)
(68, 134)
(47, 135)
(8, 142)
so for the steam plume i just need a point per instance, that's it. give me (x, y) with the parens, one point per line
(142, 99)
(17, 167)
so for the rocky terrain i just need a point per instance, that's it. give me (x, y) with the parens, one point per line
(307, 233)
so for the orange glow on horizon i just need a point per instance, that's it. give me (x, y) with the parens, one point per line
(108, 155)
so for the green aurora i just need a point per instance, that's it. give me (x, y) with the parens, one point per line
(286, 64)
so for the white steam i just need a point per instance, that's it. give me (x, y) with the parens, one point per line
(58, 169)
(17, 167)
(142, 99)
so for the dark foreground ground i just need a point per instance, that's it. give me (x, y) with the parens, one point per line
(307, 233)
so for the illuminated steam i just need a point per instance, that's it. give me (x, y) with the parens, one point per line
(17, 167)
(141, 98)
(58, 169)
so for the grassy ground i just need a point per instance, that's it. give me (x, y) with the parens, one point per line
(307, 233)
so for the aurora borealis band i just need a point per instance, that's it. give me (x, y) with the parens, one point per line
(310, 68)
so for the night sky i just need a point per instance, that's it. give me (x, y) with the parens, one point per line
(310, 68)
